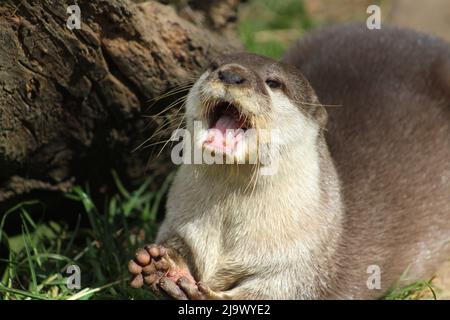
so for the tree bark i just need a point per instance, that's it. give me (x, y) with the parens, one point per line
(72, 101)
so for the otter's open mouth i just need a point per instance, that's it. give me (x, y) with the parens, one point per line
(224, 115)
(226, 125)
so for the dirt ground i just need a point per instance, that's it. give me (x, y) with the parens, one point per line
(442, 281)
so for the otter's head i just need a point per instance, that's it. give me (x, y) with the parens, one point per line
(244, 101)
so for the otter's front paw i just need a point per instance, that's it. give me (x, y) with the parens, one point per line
(154, 267)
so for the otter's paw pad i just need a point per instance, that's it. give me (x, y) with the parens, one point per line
(149, 265)
(160, 260)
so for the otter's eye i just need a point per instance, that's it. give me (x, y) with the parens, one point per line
(274, 84)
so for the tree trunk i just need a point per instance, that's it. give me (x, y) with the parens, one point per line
(72, 101)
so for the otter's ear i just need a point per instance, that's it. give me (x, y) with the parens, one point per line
(321, 116)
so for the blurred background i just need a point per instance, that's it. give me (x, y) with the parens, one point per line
(269, 27)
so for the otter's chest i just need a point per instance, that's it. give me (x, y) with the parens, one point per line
(227, 242)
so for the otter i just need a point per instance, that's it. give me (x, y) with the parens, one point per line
(361, 120)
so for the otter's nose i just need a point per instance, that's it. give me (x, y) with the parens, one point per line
(231, 76)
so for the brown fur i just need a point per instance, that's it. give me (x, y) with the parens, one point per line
(390, 141)
(370, 187)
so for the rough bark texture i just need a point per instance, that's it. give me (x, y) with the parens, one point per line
(71, 101)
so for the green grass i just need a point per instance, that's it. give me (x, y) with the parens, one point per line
(269, 27)
(37, 260)
(422, 289)
(415, 291)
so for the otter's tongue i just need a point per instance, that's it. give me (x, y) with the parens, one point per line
(225, 134)
(226, 122)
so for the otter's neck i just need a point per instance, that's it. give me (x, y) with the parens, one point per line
(303, 187)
